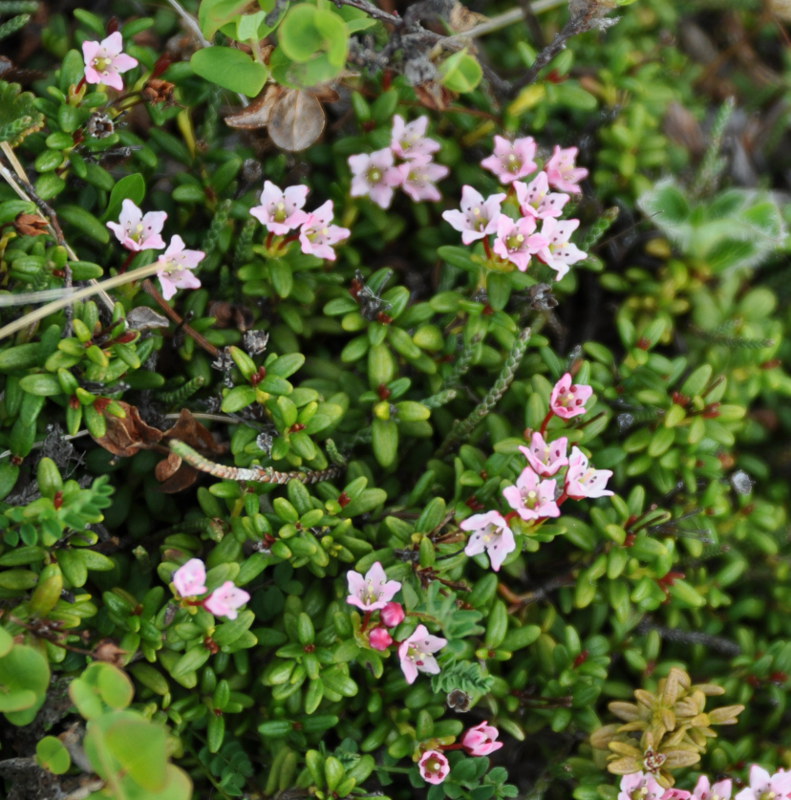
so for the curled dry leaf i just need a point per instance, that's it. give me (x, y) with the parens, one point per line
(128, 435)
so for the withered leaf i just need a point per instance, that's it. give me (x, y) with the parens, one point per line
(188, 429)
(462, 19)
(128, 435)
(296, 120)
(256, 114)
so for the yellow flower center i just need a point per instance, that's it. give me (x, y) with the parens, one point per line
(102, 63)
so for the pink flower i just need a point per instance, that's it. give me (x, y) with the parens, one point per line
(380, 639)
(392, 614)
(719, 791)
(224, 602)
(409, 140)
(582, 481)
(480, 740)
(281, 212)
(416, 653)
(176, 263)
(418, 177)
(516, 241)
(640, 786)
(490, 532)
(536, 200)
(567, 400)
(531, 498)
(190, 578)
(104, 61)
(478, 217)
(511, 160)
(434, 767)
(371, 592)
(374, 175)
(763, 785)
(137, 231)
(317, 234)
(558, 252)
(676, 794)
(561, 172)
(546, 458)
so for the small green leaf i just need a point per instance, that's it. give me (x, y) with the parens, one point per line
(230, 68)
(461, 72)
(52, 754)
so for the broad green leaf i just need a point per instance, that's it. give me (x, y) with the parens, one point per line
(230, 68)
(461, 72)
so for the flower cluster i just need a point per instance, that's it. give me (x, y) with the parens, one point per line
(373, 592)
(190, 581)
(644, 786)
(517, 239)
(377, 175)
(281, 212)
(539, 491)
(105, 61)
(478, 741)
(137, 232)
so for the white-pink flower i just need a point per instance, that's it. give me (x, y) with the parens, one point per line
(281, 211)
(568, 400)
(409, 140)
(478, 217)
(562, 173)
(481, 740)
(176, 264)
(190, 578)
(317, 234)
(512, 160)
(418, 177)
(546, 458)
(584, 481)
(536, 200)
(558, 252)
(721, 790)
(104, 61)
(763, 785)
(434, 767)
(416, 653)
(516, 241)
(380, 639)
(490, 532)
(374, 176)
(137, 231)
(373, 591)
(392, 614)
(532, 498)
(225, 601)
(640, 786)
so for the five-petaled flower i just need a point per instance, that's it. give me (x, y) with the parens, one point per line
(490, 532)
(536, 200)
(416, 653)
(318, 234)
(281, 211)
(104, 61)
(640, 786)
(374, 175)
(704, 790)
(434, 767)
(531, 497)
(176, 264)
(418, 177)
(561, 172)
(516, 240)
(190, 578)
(558, 252)
(764, 786)
(137, 231)
(225, 601)
(478, 217)
(481, 740)
(409, 140)
(373, 591)
(546, 458)
(568, 400)
(584, 481)
(512, 160)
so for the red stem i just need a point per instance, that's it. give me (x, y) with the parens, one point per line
(487, 247)
(127, 262)
(544, 424)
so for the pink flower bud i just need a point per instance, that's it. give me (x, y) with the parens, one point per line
(380, 639)
(480, 740)
(392, 614)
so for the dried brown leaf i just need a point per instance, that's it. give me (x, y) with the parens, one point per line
(128, 435)
(296, 120)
